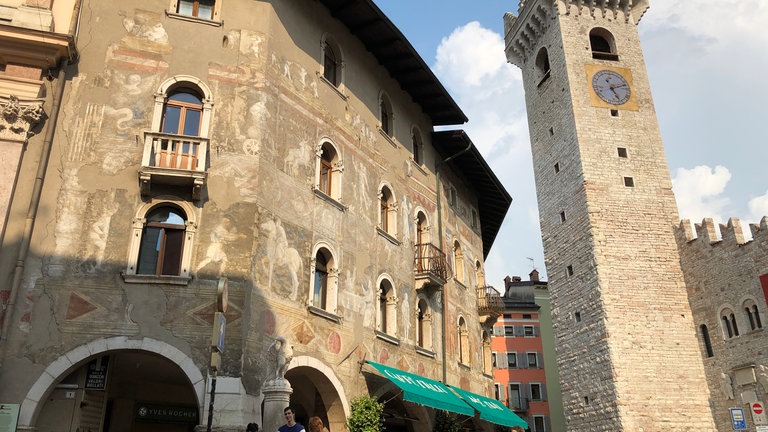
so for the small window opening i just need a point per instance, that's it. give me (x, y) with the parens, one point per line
(569, 269)
(614, 113)
(577, 316)
(622, 152)
(705, 339)
(557, 167)
(562, 216)
(629, 182)
(551, 131)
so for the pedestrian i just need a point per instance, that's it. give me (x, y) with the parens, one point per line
(290, 422)
(316, 425)
(252, 427)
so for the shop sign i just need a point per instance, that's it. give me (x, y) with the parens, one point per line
(164, 413)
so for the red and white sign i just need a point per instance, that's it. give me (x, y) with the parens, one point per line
(758, 413)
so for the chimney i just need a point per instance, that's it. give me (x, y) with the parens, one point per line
(534, 275)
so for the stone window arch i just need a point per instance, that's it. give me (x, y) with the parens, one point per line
(186, 87)
(728, 322)
(704, 332)
(323, 293)
(752, 313)
(463, 341)
(386, 116)
(458, 263)
(479, 274)
(328, 169)
(387, 214)
(603, 44)
(418, 145)
(487, 357)
(387, 311)
(332, 61)
(541, 66)
(161, 242)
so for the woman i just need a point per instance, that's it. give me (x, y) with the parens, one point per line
(316, 425)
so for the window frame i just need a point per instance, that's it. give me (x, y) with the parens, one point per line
(215, 19)
(329, 44)
(600, 34)
(386, 312)
(131, 274)
(424, 338)
(329, 304)
(386, 116)
(387, 210)
(463, 341)
(328, 184)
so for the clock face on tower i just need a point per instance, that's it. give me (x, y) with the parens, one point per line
(611, 87)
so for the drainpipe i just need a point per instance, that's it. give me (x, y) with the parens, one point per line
(440, 245)
(34, 203)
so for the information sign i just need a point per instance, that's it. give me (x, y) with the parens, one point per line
(737, 418)
(96, 376)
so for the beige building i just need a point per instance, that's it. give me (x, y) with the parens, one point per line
(283, 150)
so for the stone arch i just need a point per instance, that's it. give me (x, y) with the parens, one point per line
(69, 361)
(339, 409)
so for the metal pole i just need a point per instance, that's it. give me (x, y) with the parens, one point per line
(210, 405)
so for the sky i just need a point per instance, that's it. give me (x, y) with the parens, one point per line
(708, 65)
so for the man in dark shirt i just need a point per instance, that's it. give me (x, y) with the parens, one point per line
(290, 422)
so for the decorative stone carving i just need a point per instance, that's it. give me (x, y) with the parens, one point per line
(17, 118)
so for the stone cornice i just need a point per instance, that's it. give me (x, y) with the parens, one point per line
(34, 47)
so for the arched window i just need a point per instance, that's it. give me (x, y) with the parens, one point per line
(385, 115)
(424, 318)
(705, 340)
(161, 242)
(418, 146)
(463, 342)
(422, 243)
(183, 112)
(603, 44)
(332, 62)
(458, 262)
(487, 361)
(328, 170)
(323, 292)
(387, 308)
(387, 212)
(542, 66)
(753, 315)
(728, 320)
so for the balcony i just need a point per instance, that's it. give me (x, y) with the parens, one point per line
(430, 267)
(489, 304)
(176, 160)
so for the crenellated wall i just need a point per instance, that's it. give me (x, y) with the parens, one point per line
(722, 273)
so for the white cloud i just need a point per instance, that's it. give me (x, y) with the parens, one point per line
(699, 192)
(758, 207)
(470, 54)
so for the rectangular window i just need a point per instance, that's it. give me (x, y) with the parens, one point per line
(509, 330)
(496, 393)
(511, 360)
(532, 360)
(536, 394)
(539, 424)
(196, 8)
(528, 331)
(527, 316)
(493, 360)
(515, 398)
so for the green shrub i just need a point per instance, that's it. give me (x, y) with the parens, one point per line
(366, 415)
(445, 422)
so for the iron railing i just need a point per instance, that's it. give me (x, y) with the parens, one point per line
(431, 261)
(489, 301)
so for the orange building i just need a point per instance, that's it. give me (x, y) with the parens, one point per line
(517, 355)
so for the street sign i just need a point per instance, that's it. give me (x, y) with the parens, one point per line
(219, 327)
(758, 413)
(737, 418)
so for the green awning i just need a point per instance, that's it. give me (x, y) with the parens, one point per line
(491, 409)
(424, 391)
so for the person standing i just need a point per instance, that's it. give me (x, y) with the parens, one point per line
(316, 425)
(290, 422)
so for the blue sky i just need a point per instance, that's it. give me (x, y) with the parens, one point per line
(708, 65)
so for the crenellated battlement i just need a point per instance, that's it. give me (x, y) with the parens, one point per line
(706, 233)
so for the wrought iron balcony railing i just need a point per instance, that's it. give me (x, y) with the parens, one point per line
(489, 301)
(174, 160)
(430, 265)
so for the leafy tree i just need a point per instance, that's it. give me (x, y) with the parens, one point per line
(445, 422)
(366, 415)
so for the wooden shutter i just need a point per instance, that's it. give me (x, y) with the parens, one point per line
(539, 361)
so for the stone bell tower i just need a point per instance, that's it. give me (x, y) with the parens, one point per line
(627, 350)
